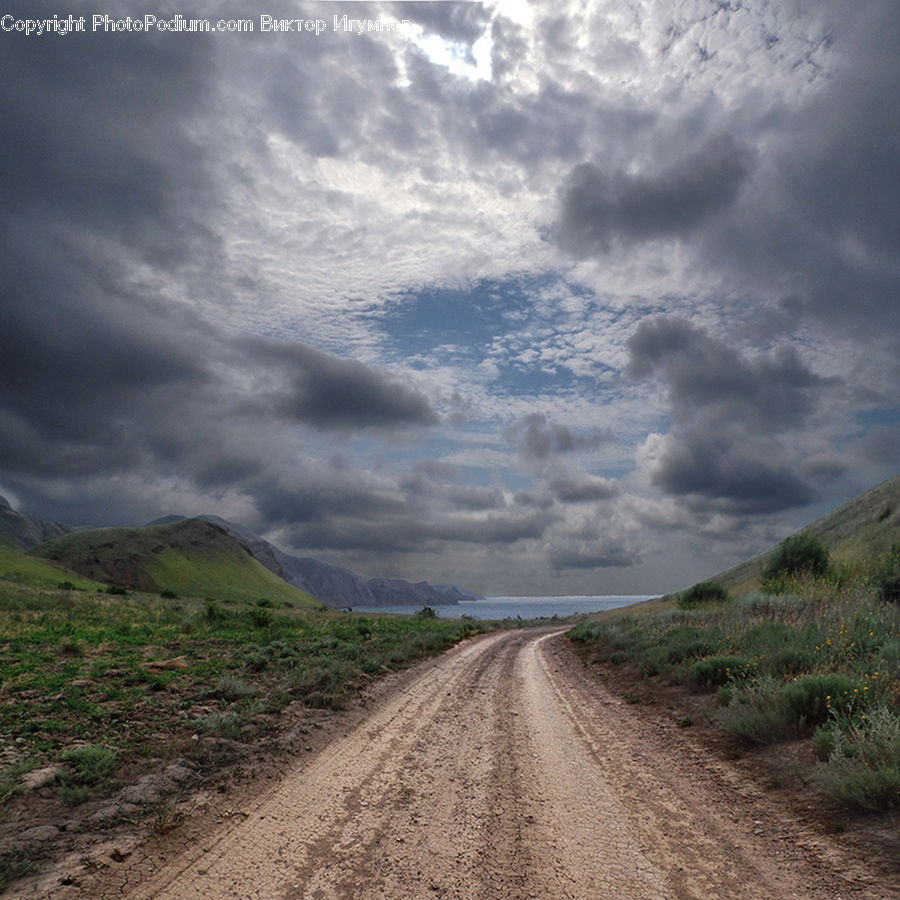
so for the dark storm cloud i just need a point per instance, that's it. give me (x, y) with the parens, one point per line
(826, 221)
(280, 504)
(541, 439)
(95, 133)
(770, 391)
(582, 488)
(597, 207)
(728, 477)
(405, 533)
(729, 413)
(432, 485)
(613, 556)
(326, 391)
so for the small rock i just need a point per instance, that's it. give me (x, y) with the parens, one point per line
(37, 778)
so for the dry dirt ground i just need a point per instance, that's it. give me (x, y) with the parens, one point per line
(503, 769)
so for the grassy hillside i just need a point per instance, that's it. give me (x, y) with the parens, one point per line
(190, 557)
(855, 534)
(812, 660)
(17, 566)
(103, 697)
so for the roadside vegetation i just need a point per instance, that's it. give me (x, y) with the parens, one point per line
(814, 655)
(97, 688)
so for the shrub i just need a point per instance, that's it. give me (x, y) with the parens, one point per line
(74, 794)
(702, 594)
(92, 763)
(231, 688)
(168, 594)
(863, 767)
(260, 618)
(887, 576)
(751, 715)
(810, 701)
(117, 589)
(227, 724)
(426, 612)
(715, 671)
(212, 611)
(801, 554)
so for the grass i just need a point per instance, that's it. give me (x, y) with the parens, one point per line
(820, 662)
(85, 675)
(17, 566)
(189, 558)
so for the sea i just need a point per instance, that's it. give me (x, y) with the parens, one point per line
(520, 607)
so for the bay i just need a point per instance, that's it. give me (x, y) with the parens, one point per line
(521, 607)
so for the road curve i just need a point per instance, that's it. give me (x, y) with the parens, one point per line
(501, 772)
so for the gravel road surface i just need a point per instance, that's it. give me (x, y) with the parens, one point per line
(502, 771)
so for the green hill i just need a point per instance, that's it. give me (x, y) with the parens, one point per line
(16, 565)
(191, 557)
(856, 533)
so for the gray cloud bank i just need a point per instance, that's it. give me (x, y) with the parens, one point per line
(743, 238)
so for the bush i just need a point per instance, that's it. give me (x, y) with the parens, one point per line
(887, 576)
(801, 554)
(769, 710)
(715, 671)
(812, 700)
(92, 763)
(232, 688)
(212, 612)
(260, 618)
(168, 594)
(702, 594)
(863, 767)
(752, 715)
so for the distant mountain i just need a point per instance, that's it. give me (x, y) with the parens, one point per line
(396, 592)
(26, 531)
(331, 584)
(188, 556)
(454, 594)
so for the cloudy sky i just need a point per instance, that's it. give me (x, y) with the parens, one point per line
(536, 296)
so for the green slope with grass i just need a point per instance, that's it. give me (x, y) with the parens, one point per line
(802, 647)
(101, 691)
(17, 566)
(190, 557)
(855, 534)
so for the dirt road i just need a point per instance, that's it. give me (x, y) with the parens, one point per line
(500, 771)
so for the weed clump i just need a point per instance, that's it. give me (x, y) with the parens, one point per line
(703, 593)
(800, 555)
(820, 663)
(90, 767)
(231, 688)
(862, 765)
(887, 576)
(714, 671)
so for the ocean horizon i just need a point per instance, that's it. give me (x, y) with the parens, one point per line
(528, 607)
